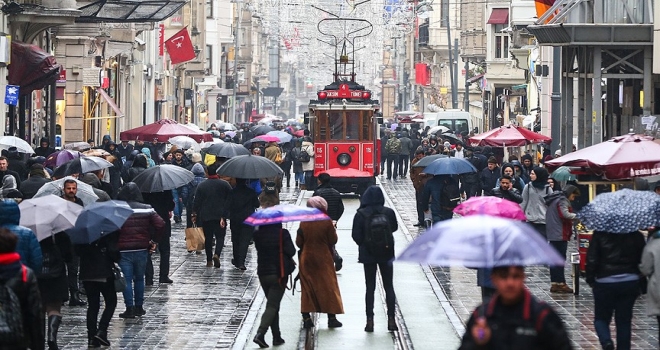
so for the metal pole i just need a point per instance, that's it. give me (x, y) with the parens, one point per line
(555, 121)
(52, 111)
(454, 103)
(466, 98)
(454, 89)
(239, 16)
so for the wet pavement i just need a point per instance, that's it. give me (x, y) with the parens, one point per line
(459, 286)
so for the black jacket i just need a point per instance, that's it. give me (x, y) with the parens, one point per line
(56, 251)
(488, 180)
(124, 151)
(515, 329)
(267, 242)
(14, 174)
(210, 200)
(30, 186)
(613, 254)
(143, 225)
(241, 203)
(98, 258)
(371, 200)
(11, 275)
(162, 202)
(333, 197)
(512, 195)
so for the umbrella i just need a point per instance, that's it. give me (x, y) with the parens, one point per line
(96, 152)
(206, 145)
(48, 215)
(266, 138)
(184, 142)
(621, 157)
(163, 130)
(78, 146)
(299, 133)
(449, 166)
(481, 241)
(162, 178)
(508, 136)
(424, 162)
(283, 136)
(81, 165)
(214, 133)
(60, 157)
(222, 125)
(227, 150)
(230, 133)
(622, 211)
(453, 139)
(85, 191)
(439, 128)
(492, 206)
(21, 145)
(285, 213)
(250, 167)
(563, 173)
(262, 129)
(99, 219)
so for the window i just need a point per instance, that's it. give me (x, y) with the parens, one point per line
(209, 8)
(501, 41)
(208, 59)
(336, 125)
(352, 125)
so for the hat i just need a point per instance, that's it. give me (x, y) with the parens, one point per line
(558, 152)
(37, 170)
(447, 144)
(196, 158)
(318, 202)
(492, 160)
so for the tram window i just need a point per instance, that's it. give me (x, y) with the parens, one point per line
(322, 125)
(366, 126)
(352, 125)
(336, 124)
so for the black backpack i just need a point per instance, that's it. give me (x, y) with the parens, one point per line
(451, 195)
(11, 317)
(378, 236)
(303, 156)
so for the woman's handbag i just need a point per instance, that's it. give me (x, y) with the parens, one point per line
(195, 238)
(53, 262)
(337, 259)
(120, 280)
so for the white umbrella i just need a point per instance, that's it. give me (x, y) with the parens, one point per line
(78, 146)
(12, 141)
(209, 143)
(85, 191)
(192, 126)
(185, 142)
(48, 215)
(442, 129)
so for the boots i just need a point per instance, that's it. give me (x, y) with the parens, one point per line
(391, 324)
(54, 322)
(75, 300)
(370, 325)
(561, 288)
(333, 322)
(129, 313)
(139, 311)
(277, 339)
(102, 336)
(303, 187)
(259, 340)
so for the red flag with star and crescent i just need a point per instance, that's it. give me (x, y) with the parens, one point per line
(180, 47)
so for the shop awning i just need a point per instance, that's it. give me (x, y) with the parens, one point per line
(104, 95)
(31, 67)
(475, 78)
(122, 11)
(499, 16)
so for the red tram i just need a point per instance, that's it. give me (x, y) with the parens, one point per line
(343, 122)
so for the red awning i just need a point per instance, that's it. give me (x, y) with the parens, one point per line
(508, 136)
(499, 16)
(110, 102)
(31, 67)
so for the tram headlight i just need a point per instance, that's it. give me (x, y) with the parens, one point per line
(344, 159)
(351, 149)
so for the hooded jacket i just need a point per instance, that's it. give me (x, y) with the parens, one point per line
(9, 186)
(142, 226)
(147, 152)
(372, 200)
(30, 186)
(559, 216)
(518, 183)
(28, 246)
(17, 164)
(521, 171)
(44, 151)
(139, 165)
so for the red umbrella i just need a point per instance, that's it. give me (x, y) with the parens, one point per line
(508, 136)
(163, 130)
(299, 133)
(622, 157)
(267, 138)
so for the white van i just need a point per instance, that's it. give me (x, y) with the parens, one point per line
(453, 119)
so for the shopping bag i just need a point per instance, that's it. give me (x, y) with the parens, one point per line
(194, 238)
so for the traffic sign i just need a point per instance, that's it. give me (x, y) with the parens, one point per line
(11, 95)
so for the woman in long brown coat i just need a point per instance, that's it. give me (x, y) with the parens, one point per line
(318, 279)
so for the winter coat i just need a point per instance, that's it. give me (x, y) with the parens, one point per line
(9, 185)
(309, 148)
(30, 186)
(511, 195)
(44, 151)
(517, 182)
(406, 146)
(142, 226)
(59, 248)
(333, 197)
(416, 175)
(147, 152)
(267, 242)
(188, 191)
(558, 217)
(162, 202)
(488, 179)
(98, 258)
(125, 151)
(210, 198)
(13, 276)
(139, 165)
(95, 182)
(433, 192)
(650, 267)
(293, 156)
(14, 174)
(241, 203)
(28, 246)
(612, 254)
(272, 151)
(533, 203)
(318, 279)
(372, 200)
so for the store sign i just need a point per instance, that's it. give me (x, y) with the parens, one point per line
(91, 77)
(62, 77)
(11, 95)
(161, 40)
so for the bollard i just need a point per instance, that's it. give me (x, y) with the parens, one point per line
(575, 262)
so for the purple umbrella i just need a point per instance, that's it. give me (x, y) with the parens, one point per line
(230, 133)
(285, 213)
(60, 157)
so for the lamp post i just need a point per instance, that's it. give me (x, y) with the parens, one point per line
(239, 18)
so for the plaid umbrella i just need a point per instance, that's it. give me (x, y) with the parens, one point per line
(622, 211)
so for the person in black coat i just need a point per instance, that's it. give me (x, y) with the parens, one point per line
(36, 179)
(17, 164)
(138, 165)
(332, 196)
(488, 176)
(371, 201)
(44, 149)
(4, 170)
(125, 149)
(163, 204)
(242, 203)
(507, 191)
(96, 263)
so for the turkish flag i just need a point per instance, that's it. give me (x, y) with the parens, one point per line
(180, 47)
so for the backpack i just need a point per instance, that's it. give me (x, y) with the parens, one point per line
(11, 316)
(451, 195)
(378, 236)
(533, 317)
(393, 146)
(303, 156)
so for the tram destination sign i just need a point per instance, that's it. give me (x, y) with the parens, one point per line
(343, 94)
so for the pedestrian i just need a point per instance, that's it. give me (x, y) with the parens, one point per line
(308, 166)
(443, 194)
(4, 170)
(393, 148)
(210, 209)
(19, 280)
(650, 267)
(137, 237)
(459, 151)
(114, 172)
(559, 219)
(147, 153)
(36, 179)
(404, 154)
(28, 245)
(488, 177)
(17, 164)
(331, 196)
(97, 260)
(513, 318)
(182, 161)
(188, 191)
(612, 271)
(125, 149)
(470, 183)
(156, 151)
(516, 182)
(373, 223)
(554, 184)
(163, 204)
(319, 288)
(527, 164)
(295, 155)
(417, 178)
(287, 162)
(506, 190)
(44, 149)
(385, 136)
(140, 164)
(275, 253)
(520, 173)
(533, 203)
(9, 188)
(241, 203)
(72, 265)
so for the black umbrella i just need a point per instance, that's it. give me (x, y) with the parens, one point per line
(262, 130)
(80, 166)
(424, 162)
(227, 150)
(250, 167)
(161, 178)
(453, 139)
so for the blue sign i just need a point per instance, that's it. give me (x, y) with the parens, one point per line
(11, 95)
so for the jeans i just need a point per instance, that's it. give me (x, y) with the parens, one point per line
(540, 228)
(618, 298)
(404, 160)
(178, 207)
(134, 266)
(274, 293)
(212, 230)
(383, 160)
(420, 207)
(300, 178)
(557, 272)
(386, 274)
(241, 235)
(442, 215)
(94, 291)
(392, 159)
